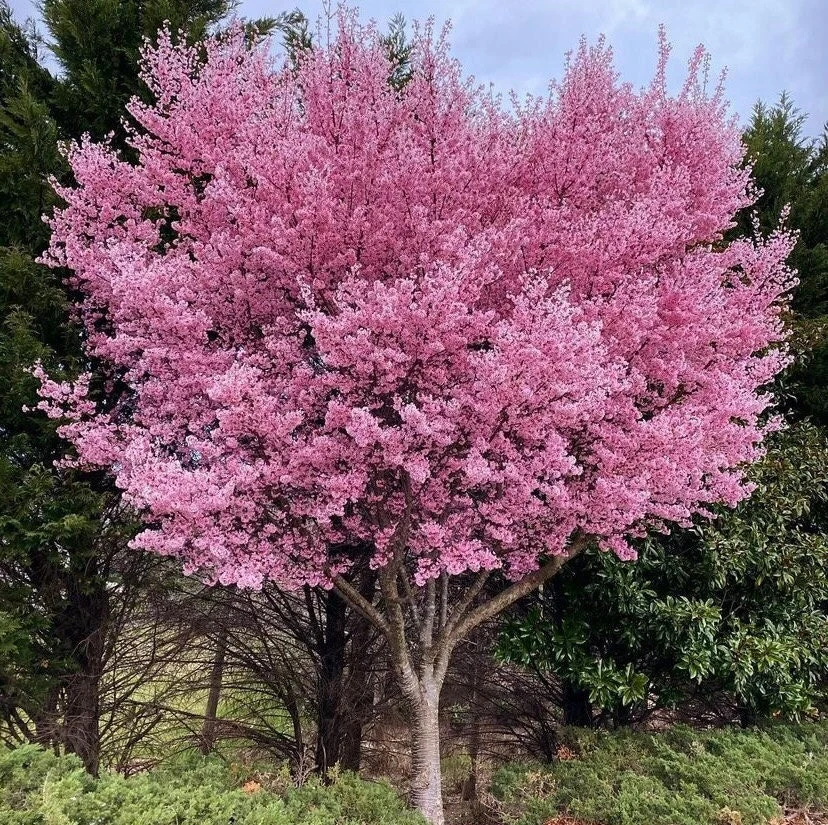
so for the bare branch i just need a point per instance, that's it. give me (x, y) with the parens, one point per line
(361, 605)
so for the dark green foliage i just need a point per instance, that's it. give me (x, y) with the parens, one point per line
(60, 531)
(399, 49)
(679, 777)
(734, 608)
(296, 38)
(792, 173)
(42, 512)
(97, 43)
(37, 788)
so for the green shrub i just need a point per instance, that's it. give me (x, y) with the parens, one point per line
(678, 777)
(38, 788)
(456, 769)
(733, 607)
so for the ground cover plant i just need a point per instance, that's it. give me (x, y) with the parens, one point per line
(675, 777)
(39, 788)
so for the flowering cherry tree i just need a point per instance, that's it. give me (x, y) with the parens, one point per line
(342, 320)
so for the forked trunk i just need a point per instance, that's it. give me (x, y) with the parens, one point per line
(439, 623)
(426, 787)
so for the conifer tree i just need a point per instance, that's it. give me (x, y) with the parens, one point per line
(60, 530)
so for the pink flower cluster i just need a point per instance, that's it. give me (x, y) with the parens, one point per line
(335, 315)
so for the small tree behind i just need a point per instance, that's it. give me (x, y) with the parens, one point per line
(349, 320)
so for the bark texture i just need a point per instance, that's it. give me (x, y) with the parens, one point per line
(426, 782)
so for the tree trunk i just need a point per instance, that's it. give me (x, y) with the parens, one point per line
(357, 702)
(748, 716)
(85, 621)
(330, 694)
(45, 718)
(358, 698)
(81, 730)
(421, 667)
(426, 786)
(208, 729)
(469, 791)
(577, 709)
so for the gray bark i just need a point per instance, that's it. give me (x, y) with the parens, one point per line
(426, 784)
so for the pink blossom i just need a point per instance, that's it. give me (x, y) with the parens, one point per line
(338, 313)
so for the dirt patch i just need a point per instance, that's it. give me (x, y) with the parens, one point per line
(803, 817)
(567, 820)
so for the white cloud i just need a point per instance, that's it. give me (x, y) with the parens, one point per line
(767, 45)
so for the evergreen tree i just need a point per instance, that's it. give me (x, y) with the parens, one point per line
(61, 532)
(792, 172)
(98, 42)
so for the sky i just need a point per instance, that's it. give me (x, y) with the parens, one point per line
(767, 46)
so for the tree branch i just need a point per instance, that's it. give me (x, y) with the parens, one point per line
(460, 625)
(463, 605)
(397, 642)
(427, 625)
(518, 590)
(409, 595)
(444, 593)
(361, 605)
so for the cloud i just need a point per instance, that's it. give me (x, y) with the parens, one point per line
(767, 45)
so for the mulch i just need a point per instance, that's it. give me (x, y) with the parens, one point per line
(804, 817)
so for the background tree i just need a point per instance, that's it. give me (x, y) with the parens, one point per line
(792, 173)
(62, 530)
(97, 44)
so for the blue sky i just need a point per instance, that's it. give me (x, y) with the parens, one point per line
(766, 45)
